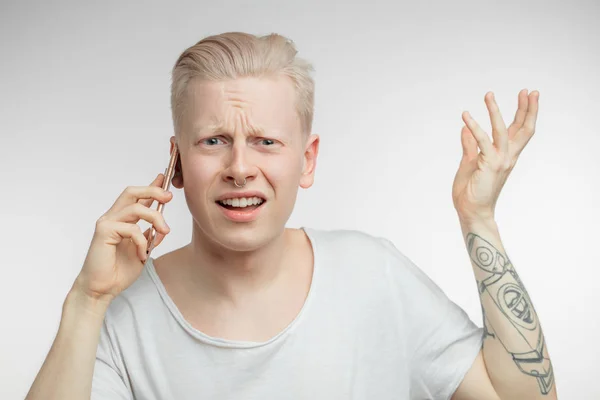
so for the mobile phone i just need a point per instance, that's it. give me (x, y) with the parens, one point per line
(169, 172)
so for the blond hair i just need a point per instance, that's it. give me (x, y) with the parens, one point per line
(234, 55)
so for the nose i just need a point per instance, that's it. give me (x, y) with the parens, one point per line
(241, 168)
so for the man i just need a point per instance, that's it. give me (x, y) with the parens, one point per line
(250, 309)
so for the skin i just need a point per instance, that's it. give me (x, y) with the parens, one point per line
(230, 272)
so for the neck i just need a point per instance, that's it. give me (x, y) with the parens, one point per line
(223, 274)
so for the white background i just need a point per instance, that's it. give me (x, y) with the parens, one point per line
(84, 112)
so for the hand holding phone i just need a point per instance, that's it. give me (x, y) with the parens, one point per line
(116, 256)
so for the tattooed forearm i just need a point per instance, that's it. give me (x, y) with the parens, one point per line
(516, 327)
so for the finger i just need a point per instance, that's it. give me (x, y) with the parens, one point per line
(157, 240)
(469, 144)
(498, 128)
(526, 133)
(140, 242)
(114, 232)
(132, 194)
(158, 181)
(532, 111)
(482, 138)
(134, 212)
(519, 115)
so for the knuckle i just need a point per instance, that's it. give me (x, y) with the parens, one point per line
(503, 166)
(137, 236)
(102, 226)
(497, 166)
(501, 163)
(140, 210)
(134, 228)
(135, 232)
(102, 220)
(130, 191)
(162, 195)
(157, 217)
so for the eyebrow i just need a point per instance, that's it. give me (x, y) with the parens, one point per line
(218, 126)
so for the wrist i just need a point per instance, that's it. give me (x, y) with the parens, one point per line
(476, 223)
(79, 302)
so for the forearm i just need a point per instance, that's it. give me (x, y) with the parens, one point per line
(68, 368)
(514, 349)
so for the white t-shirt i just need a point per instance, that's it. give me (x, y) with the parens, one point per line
(373, 326)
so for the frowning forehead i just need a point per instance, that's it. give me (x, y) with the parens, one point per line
(215, 124)
(254, 105)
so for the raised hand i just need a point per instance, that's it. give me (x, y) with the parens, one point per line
(481, 175)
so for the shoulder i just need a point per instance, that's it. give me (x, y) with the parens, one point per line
(349, 239)
(370, 253)
(354, 250)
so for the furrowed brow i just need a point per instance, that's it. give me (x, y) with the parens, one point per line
(218, 126)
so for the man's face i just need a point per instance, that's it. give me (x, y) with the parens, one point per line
(246, 128)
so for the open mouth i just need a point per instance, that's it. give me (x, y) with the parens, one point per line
(242, 205)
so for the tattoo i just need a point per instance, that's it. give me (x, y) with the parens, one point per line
(486, 331)
(521, 335)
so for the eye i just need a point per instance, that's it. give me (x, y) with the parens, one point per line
(269, 141)
(210, 141)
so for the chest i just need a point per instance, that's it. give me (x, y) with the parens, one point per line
(330, 353)
(296, 371)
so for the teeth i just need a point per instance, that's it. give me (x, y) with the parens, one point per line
(242, 202)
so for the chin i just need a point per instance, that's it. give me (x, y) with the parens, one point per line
(237, 241)
(242, 237)
(245, 238)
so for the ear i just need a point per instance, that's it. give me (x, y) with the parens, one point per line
(177, 180)
(311, 152)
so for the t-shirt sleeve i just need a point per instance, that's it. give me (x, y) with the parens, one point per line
(108, 382)
(442, 341)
